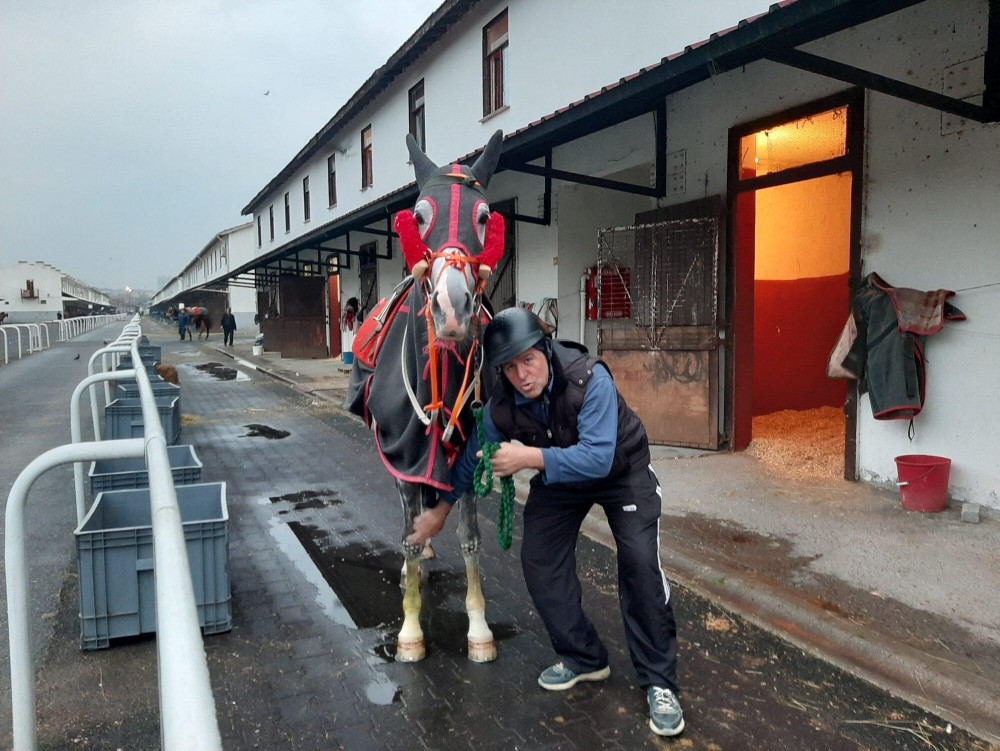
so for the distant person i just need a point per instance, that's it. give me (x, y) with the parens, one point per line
(228, 322)
(183, 321)
(3, 316)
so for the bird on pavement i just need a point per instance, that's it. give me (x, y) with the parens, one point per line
(77, 356)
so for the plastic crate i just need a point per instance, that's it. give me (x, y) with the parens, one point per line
(126, 364)
(161, 388)
(148, 353)
(129, 474)
(114, 546)
(123, 418)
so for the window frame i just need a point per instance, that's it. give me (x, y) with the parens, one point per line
(260, 232)
(288, 212)
(306, 208)
(270, 218)
(331, 180)
(495, 65)
(367, 158)
(415, 103)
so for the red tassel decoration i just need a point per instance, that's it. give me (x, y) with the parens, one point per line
(414, 249)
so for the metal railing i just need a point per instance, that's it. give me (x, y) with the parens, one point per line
(68, 328)
(187, 706)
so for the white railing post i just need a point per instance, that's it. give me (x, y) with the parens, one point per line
(22, 673)
(75, 432)
(118, 346)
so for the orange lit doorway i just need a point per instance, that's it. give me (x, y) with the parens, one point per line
(795, 221)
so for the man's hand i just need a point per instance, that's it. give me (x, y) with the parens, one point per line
(511, 457)
(429, 524)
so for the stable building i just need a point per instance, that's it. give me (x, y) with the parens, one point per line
(701, 205)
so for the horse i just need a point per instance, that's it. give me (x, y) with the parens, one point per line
(417, 394)
(200, 321)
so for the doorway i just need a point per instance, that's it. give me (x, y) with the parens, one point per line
(795, 206)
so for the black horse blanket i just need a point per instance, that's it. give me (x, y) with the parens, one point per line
(412, 451)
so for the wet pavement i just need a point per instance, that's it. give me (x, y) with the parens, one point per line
(314, 568)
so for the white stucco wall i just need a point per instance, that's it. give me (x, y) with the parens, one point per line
(241, 246)
(931, 221)
(48, 287)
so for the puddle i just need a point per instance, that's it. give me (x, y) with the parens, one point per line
(264, 431)
(325, 597)
(366, 579)
(381, 693)
(222, 373)
(309, 499)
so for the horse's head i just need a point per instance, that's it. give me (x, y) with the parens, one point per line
(450, 240)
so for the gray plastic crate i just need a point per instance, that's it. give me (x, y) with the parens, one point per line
(123, 418)
(130, 389)
(129, 474)
(126, 364)
(148, 353)
(114, 546)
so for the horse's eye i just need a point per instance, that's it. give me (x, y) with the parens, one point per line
(482, 217)
(424, 213)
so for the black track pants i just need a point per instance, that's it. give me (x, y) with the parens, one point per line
(552, 519)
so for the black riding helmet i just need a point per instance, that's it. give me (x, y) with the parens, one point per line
(511, 332)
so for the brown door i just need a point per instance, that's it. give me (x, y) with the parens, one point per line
(334, 292)
(659, 323)
(301, 327)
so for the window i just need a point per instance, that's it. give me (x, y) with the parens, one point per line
(270, 218)
(288, 213)
(260, 236)
(331, 179)
(305, 198)
(495, 64)
(417, 115)
(367, 177)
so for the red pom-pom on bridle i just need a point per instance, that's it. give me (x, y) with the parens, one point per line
(418, 256)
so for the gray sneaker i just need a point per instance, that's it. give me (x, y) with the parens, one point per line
(559, 677)
(665, 714)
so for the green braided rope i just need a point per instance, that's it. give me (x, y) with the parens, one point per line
(482, 483)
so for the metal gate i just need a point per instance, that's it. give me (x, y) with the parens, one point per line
(657, 310)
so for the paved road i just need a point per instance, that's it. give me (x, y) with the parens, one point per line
(309, 663)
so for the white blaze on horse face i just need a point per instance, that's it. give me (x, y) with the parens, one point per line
(452, 286)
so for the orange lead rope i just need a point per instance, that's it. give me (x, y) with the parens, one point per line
(434, 408)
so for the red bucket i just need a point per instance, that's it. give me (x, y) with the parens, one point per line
(923, 481)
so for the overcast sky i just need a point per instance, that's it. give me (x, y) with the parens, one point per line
(131, 131)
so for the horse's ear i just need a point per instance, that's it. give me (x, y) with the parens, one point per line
(486, 164)
(423, 167)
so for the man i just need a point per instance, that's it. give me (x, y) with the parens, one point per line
(587, 447)
(228, 327)
(183, 321)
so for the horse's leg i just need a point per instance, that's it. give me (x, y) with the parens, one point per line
(482, 647)
(410, 644)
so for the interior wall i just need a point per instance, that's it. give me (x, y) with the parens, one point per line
(801, 292)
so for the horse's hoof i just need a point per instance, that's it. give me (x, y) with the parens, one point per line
(410, 651)
(482, 651)
(427, 553)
